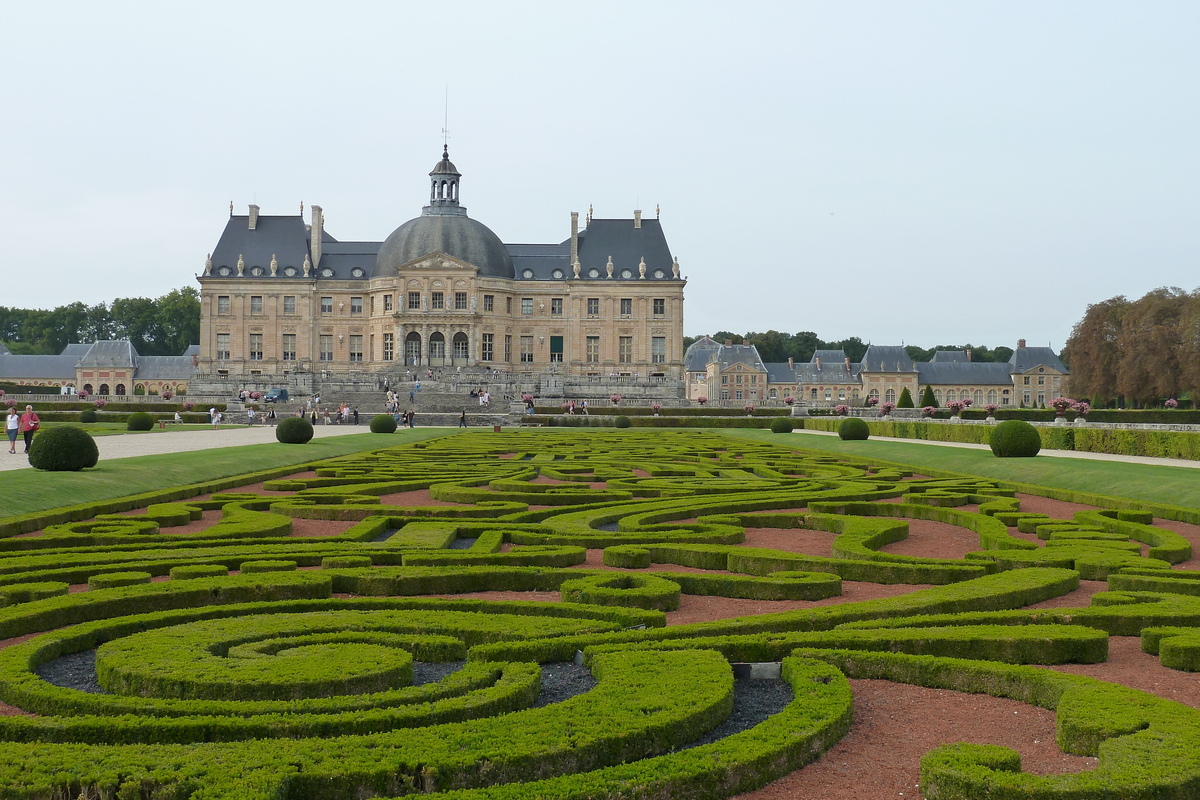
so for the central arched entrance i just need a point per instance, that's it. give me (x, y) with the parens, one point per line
(412, 349)
(461, 349)
(437, 349)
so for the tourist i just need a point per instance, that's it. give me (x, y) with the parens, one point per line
(356, 415)
(12, 426)
(327, 416)
(462, 420)
(178, 419)
(583, 406)
(250, 415)
(271, 415)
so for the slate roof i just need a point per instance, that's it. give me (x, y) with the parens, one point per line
(284, 237)
(833, 371)
(627, 245)
(887, 358)
(956, 373)
(730, 354)
(828, 356)
(165, 367)
(946, 356)
(16, 367)
(696, 357)
(343, 257)
(77, 349)
(4, 351)
(541, 260)
(1027, 358)
(110, 353)
(103, 354)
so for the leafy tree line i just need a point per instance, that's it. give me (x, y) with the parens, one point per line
(162, 326)
(1140, 352)
(777, 346)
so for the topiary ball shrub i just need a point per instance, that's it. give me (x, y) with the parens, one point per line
(139, 421)
(87, 415)
(294, 430)
(383, 423)
(853, 428)
(622, 421)
(781, 425)
(1015, 438)
(64, 448)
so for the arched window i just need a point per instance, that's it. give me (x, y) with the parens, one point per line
(104, 388)
(814, 394)
(873, 393)
(890, 397)
(951, 395)
(437, 346)
(120, 389)
(772, 393)
(978, 398)
(828, 395)
(412, 349)
(460, 345)
(991, 396)
(937, 396)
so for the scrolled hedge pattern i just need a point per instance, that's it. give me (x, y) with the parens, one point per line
(251, 658)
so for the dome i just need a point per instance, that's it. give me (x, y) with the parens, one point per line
(455, 235)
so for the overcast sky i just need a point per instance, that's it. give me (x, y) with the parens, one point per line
(918, 172)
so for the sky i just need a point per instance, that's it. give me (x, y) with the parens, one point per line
(906, 172)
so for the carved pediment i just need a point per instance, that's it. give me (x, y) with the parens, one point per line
(437, 261)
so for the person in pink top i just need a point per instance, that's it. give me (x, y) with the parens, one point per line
(29, 424)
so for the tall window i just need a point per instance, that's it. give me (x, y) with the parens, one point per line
(459, 344)
(223, 308)
(222, 346)
(486, 347)
(437, 300)
(660, 306)
(593, 349)
(593, 306)
(626, 306)
(556, 349)
(890, 396)
(414, 301)
(508, 305)
(658, 349)
(256, 347)
(289, 304)
(387, 302)
(556, 307)
(289, 347)
(356, 306)
(489, 302)
(372, 305)
(625, 350)
(256, 304)
(389, 345)
(527, 305)
(526, 349)
(507, 347)
(460, 301)
(356, 351)
(326, 343)
(326, 305)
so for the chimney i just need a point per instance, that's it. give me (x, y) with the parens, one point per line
(317, 233)
(968, 355)
(729, 342)
(637, 218)
(253, 216)
(574, 236)
(847, 363)
(1020, 344)
(791, 363)
(818, 360)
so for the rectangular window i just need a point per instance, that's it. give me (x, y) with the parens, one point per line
(593, 306)
(737, 378)
(527, 305)
(326, 305)
(658, 349)
(507, 347)
(389, 346)
(556, 306)
(737, 395)
(255, 304)
(725, 380)
(437, 300)
(289, 347)
(487, 346)
(222, 346)
(556, 349)
(526, 349)
(593, 349)
(326, 342)
(508, 305)
(387, 302)
(414, 301)
(489, 302)
(626, 306)
(289, 304)
(356, 306)
(356, 351)
(625, 350)
(460, 301)
(660, 306)
(1041, 381)
(372, 350)
(372, 305)
(256, 347)
(1026, 380)
(223, 304)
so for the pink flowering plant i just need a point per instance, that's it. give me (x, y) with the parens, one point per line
(749, 409)
(872, 401)
(789, 400)
(83, 393)
(1061, 404)
(10, 402)
(167, 394)
(527, 398)
(990, 408)
(701, 399)
(967, 402)
(253, 395)
(928, 411)
(955, 407)
(188, 405)
(1081, 408)
(841, 410)
(616, 398)
(100, 403)
(1171, 403)
(887, 408)
(656, 407)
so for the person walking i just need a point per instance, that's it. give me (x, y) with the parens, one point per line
(12, 426)
(356, 415)
(462, 420)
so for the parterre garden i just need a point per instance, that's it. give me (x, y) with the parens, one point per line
(497, 615)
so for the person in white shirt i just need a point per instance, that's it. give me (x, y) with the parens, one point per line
(12, 425)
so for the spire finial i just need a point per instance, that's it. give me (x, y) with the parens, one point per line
(231, 208)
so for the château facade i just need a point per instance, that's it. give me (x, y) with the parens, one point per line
(442, 291)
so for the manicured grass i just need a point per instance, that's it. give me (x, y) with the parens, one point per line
(1178, 486)
(29, 490)
(115, 428)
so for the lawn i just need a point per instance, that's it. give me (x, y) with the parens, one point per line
(1178, 486)
(115, 428)
(29, 490)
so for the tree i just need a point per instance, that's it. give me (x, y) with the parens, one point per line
(1094, 351)
(1149, 345)
(178, 320)
(905, 400)
(927, 398)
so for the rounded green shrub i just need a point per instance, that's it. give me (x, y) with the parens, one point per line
(139, 421)
(1015, 438)
(63, 448)
(853, 428)
(294, 430)
(383, 423)
(622, 421)
(87, 415)
(781, 425)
